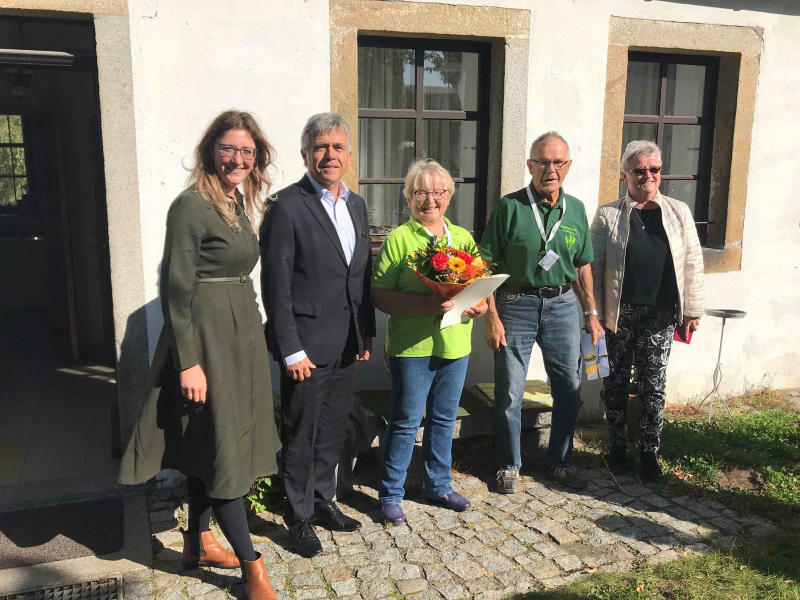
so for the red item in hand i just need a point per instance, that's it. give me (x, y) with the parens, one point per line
(678, 337)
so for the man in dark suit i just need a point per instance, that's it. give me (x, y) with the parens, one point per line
(316, 266)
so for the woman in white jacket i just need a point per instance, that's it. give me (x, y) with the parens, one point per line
(648, 281)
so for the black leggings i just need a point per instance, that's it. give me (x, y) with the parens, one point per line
(230, 515)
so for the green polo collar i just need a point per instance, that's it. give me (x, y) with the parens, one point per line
(540, 201)
(419, 228)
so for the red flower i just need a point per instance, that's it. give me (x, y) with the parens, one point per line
(439, 261)
(465, 256)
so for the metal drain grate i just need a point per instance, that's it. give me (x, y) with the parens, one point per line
(100, 589)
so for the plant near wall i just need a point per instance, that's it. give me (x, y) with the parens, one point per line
(264, 494)
(267, 492)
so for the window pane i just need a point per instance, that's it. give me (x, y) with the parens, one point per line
(451, 80)
(462, 206)
(453, 144)
(15, 122)
(21, 183)
(685, 190)
(6, 167)
(385, 147)
(18, 158)
(385, 78)
(685, 84)
(637, 131)
(386, 207)
(681, 149)
(641, 94)
(7, 197)
(4, 134)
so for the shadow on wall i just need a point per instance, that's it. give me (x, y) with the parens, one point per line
(133, 372)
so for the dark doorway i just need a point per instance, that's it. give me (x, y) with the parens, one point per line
(57, 354)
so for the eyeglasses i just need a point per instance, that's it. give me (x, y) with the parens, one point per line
(652, 170)
(420, 195)
(545, 164)
(228, 151)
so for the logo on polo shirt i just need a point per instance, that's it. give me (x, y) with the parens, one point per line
(570, 236)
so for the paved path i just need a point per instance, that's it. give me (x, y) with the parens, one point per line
(543, 536)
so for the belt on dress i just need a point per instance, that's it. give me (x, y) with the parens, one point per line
(239, 279)
(547, 291)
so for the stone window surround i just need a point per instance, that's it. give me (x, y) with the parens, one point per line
(508, 30)
(739, 50)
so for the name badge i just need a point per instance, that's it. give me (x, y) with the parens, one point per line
(548, 260)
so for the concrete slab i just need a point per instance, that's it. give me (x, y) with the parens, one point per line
(135, 554)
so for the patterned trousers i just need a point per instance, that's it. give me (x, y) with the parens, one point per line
(644, 339)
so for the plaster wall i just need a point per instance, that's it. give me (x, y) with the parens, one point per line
(566, 89)
(187, 66)
(269, 58)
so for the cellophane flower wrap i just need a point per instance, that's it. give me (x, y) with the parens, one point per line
(447, 270)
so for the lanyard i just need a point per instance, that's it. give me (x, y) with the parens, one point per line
(446, 232)
(546, 239)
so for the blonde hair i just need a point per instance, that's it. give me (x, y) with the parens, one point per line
(422, 166)
(204, 178)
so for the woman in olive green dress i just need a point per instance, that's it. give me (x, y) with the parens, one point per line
(210, 413)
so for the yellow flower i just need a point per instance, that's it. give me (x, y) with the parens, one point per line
(456, 264)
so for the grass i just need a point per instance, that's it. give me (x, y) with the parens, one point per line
(755, 454)
(712, 577)
(765, 443)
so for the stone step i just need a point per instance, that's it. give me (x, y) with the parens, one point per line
(475, 410)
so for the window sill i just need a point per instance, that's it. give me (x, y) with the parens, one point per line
(722, 260)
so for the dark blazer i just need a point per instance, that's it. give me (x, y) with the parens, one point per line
(311, 294)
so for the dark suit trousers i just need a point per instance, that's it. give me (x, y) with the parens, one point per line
(314, 416)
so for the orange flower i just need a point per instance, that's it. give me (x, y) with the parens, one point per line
(456, 264)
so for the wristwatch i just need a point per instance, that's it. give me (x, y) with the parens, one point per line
(588, 313)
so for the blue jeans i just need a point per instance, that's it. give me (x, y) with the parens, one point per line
(431, 385)
(554, 324)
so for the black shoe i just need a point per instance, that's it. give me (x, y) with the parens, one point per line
(303, 540)
(330, 517)
(651, 469)
(618, 462)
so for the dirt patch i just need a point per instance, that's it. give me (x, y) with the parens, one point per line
(672, 590)
(740, 478)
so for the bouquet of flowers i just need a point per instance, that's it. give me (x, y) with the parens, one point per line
(447, 270)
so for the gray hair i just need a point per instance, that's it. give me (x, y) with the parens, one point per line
(319, 124)
(426, 165)
(637, 148)
(546, 137)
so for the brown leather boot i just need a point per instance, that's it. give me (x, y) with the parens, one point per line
(256, 581)
(204, 549)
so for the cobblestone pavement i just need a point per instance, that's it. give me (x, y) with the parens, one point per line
(543, 536)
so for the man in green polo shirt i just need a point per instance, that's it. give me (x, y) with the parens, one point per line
(539, 235)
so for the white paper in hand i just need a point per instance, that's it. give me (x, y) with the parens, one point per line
(470, 296)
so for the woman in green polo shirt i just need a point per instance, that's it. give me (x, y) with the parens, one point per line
(428, 364)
